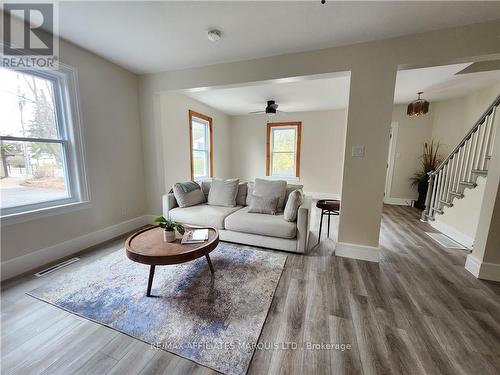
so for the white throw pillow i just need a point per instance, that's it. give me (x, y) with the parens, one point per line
(295, 199)
(223, 192)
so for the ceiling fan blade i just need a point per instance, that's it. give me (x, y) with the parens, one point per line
(255, 112)
(278, 111)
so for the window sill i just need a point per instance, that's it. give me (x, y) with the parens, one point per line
(289, 179)
(22, 217)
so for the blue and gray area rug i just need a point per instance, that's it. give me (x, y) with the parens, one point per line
(212, 320)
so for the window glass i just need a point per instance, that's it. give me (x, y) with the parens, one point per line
(201, 149)
(282, 152)
(35, 152)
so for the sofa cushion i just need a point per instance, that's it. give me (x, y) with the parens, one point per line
(188, 198)
(223, 192)
(202, 214)
(271, 188)
(266, 225)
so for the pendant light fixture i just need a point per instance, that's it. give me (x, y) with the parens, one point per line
(418, 107)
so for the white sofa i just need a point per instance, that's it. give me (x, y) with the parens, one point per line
(236, 224)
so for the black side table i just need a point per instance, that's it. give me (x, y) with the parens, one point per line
(328, 207)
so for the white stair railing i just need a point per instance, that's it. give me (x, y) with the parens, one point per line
(463, 165)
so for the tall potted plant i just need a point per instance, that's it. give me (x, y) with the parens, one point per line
(429, 161)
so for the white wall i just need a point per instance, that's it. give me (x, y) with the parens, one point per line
(413, 132)
(112, 138)
(174, 134)
(447, 122)
(460, 221)
(373, 68)
(452, 119)
(322, 147)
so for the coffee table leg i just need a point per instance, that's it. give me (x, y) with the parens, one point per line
(150, 281)
(210, 264)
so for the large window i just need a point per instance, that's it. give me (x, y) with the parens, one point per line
(41, 164)
(283, 149)
(200, 135)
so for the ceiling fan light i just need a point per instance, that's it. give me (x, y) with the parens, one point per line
(418, 107)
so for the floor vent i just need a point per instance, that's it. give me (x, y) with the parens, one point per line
(57, 266)
(445, 241)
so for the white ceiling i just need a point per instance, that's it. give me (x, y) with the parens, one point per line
(157, 36)
(315, 94)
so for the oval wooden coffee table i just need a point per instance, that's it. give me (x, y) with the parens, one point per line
(147, 247)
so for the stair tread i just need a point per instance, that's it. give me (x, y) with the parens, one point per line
(467, 183)
(447, 203)
(457, 194)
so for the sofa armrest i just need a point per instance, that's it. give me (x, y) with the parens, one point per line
(303, 222)
(168, 202)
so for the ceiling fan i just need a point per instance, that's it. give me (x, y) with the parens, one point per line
(271, 109)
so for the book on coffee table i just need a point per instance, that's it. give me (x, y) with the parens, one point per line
(195, 236)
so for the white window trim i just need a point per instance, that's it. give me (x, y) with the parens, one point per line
(272, 152)
(77, 164)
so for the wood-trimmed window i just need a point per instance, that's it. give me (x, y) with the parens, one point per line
(283, 149)
(200, 145)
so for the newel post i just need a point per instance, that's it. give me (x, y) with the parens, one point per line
(430, 187)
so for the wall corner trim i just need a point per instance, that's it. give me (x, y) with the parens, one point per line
(482, 270)
(355, 251)
(22, 264)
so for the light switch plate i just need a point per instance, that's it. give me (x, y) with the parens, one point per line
(358, 151)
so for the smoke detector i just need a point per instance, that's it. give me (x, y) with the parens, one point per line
(214, 35)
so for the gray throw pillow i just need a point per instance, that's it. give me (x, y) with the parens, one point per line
(191, 198)
(223, 192)
(205, 186)
(264, 205)
(289, 189)
(250, 187)
(293, 203)
(241, 197)
(271, 188)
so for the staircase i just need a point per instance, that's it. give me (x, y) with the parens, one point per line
(460, 170)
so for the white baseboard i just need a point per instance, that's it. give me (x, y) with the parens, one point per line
(482, 270)
(473, 265)
(25, 263)
(354, 251)
(453, 233)
(398, 201)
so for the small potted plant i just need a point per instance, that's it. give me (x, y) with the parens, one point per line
(169, 228)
